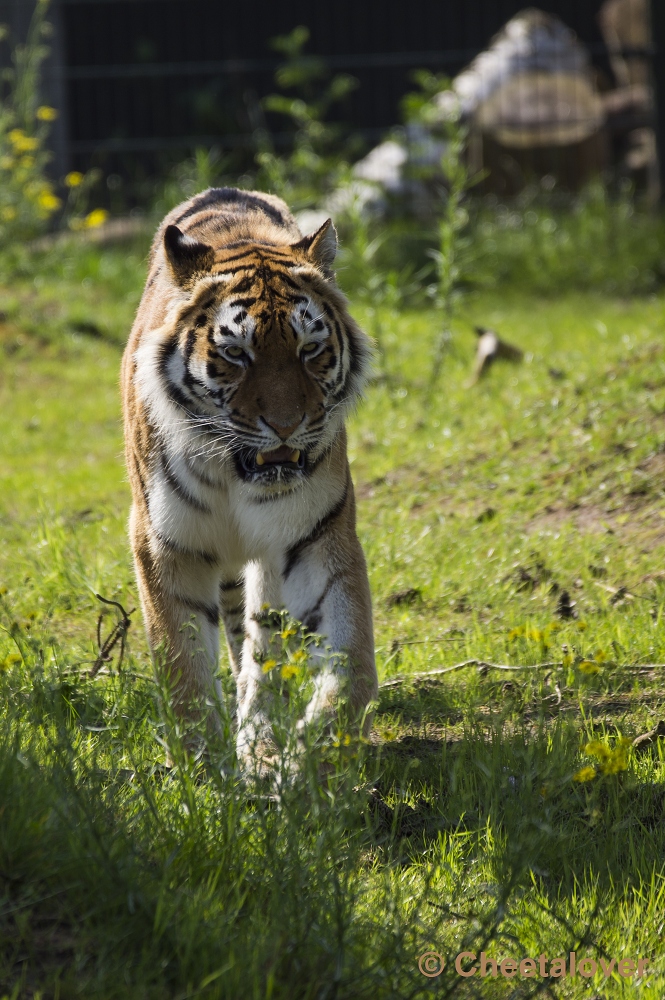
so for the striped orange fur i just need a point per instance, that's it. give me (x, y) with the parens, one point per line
(241, 367)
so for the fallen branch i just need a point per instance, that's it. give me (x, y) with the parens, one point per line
(117, 634)
(482, 665)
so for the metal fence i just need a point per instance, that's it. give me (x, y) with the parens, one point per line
(141, 82)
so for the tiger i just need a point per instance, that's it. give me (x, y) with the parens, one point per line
(240, 370)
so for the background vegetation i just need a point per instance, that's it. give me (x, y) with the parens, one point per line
(516, 522)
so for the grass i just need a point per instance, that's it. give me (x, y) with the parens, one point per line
(460, 826)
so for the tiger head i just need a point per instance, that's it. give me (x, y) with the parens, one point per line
(266, 357)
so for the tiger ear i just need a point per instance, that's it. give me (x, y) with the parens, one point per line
(185, 255)
(320, 247)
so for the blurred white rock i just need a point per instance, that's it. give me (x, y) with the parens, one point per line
(383, 165)
(531, 87)
(311, 219)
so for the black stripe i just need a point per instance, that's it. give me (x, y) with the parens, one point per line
(311, 466)
(181, 491)
(288, 280)
(211, 614)
(243, 285)
(230, 585)
(311, 618)
(202, 478)
(173, 391)
(294, 553)
(208, 197)
(190, 344)
(238, 610)
(249, 247)
(180, 550)
(231, 196)
(342, 391)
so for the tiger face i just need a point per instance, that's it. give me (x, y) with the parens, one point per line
(267, 358)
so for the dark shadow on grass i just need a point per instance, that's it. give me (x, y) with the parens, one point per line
(515, 777)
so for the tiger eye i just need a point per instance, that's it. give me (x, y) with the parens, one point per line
(235, 352)
(309, 347)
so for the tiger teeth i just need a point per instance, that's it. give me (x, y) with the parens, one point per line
(293, 457)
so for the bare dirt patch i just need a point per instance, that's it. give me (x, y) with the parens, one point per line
(636, 523)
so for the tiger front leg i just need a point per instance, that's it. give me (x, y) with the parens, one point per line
(180, 601)
(256, 747)
(330, 594)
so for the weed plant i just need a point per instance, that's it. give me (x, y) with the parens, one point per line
(29, 202)
(27, 198)
(318, 162)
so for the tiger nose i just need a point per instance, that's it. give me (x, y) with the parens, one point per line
(283, 430)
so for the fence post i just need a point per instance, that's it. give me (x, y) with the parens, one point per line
(658, 71)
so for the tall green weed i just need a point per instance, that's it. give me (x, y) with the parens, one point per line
(29, 198)
(318, 161)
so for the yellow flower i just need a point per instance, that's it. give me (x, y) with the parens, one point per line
(299, 656)
(288, 671)
(589, 667)
(268, 665)
(582, 626)
(585, 774)
(73, 179)
(612, 760)
(342, 740)
(597, 749)
(21, 142)
(48, 201)
(8, 213)
(288, 632)
(11, 660)
(96, 218)
(46, 114)
(617, 761)
(516, 633)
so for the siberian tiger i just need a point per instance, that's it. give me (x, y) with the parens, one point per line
(241, 367)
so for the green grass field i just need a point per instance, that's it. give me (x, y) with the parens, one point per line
(519, 522)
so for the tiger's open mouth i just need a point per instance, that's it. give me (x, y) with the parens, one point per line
(280, 456)
(280, 463)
